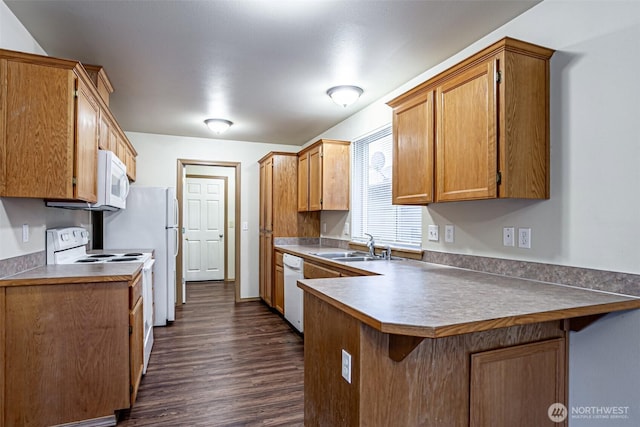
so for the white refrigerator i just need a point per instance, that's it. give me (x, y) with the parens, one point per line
(150, 221)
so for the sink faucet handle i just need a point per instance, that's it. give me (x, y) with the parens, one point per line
(386, 253)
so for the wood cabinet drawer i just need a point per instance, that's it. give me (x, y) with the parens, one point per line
(135, 291)
(279, 256)
(312, 271)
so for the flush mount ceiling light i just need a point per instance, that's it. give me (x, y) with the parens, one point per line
(218, 125)
(344, 95)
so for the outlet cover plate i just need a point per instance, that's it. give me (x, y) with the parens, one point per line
(449, 232)
(346, 366)
(524, 238)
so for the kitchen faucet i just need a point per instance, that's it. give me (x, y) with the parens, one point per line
(371, 245)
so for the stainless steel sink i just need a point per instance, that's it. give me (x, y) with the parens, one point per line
(357, 258)
(350, 256)
(336, 255)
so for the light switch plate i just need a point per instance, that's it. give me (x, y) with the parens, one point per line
(433, 233)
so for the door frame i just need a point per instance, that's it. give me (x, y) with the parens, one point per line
(181, 164)
(225, 220)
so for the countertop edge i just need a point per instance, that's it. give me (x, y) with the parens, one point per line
(626, 302)
(470, 327)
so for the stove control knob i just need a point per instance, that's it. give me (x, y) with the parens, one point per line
(65, 237)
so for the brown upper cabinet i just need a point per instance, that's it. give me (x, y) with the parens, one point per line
(49, 119)
(479, 130)
(324, 176)
(101, 81)
(51, 122)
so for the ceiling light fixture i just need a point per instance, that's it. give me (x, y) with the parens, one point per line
(218, 125)
(344, 95)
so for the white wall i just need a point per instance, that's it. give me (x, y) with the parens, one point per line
(15, 212)
(592, 217)
(230, 173)
(157, 165)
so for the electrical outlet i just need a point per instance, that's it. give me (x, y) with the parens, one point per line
(346, 366)
(324, 227)
(449, 231)
(508, 236)
(345, 230)
(524, 238)
(434, 234)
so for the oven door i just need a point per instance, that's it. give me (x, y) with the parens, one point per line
(147, 310)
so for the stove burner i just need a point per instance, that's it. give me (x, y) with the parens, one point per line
(133, 254)
(102, 256)
(88, 260)
(123, 259)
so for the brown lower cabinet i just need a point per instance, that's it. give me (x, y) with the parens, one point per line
(502, 377)
(72, 351)
(278, 283)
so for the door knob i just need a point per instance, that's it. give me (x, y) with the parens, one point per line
(221, 236)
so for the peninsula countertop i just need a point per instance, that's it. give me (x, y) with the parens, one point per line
(429, 300)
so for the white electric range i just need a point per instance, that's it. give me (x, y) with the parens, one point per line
(68, 245)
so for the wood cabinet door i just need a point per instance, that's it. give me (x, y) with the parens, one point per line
(268, 195)
(466, 148)
(261, 202)
(39, 133)
(136, 348)
(104, 133)
(303, 182)
(335, 175)
(413, 151)
(314, 271)
(261, 272)
(86, 147)
(131, 165)
(268, 269)
(315, 178)
(278, 289)
(515, 386)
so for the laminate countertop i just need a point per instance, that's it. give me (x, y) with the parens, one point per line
(74, 273)
(420, 299)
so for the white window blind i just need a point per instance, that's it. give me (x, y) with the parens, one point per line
(372, 211)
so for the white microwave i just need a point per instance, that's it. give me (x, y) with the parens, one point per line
(113, 186)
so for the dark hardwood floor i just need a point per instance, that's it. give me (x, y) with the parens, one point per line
(221, 364)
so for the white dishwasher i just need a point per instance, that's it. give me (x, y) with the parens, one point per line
(293, 295)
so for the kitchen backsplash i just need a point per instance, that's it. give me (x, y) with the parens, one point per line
(601, 280)
(11, 266)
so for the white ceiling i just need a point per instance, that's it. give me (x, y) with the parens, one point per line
(264, 64)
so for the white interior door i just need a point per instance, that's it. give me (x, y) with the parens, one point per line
(204, 228)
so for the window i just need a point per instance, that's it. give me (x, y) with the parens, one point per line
(372, 211)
